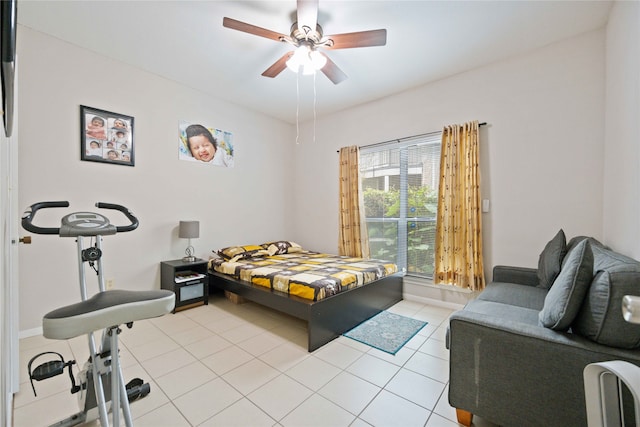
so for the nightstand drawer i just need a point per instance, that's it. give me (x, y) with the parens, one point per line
(191, 291)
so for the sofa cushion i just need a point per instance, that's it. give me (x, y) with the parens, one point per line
(600, 317)
(550, 260)
(514, 294)
(563, 301)
(507, 313)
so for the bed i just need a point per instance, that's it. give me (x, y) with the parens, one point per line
(331, 293)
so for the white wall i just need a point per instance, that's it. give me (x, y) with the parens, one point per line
(622, 153)
(541, 152)
(541, 156)
(239, 205)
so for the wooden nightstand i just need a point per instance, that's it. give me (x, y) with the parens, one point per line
(189, 281)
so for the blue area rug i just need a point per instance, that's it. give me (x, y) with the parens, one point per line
(386, 331)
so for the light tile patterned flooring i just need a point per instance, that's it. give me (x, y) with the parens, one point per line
(246, 365)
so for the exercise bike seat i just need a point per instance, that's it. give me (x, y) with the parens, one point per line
(104, 310)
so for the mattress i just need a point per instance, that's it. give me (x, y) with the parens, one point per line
(306, 274)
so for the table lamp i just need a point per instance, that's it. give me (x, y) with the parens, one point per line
(189, 230)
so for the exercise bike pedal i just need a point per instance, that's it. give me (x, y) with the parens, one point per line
(48, 370)
(137, 389)
(51, 369)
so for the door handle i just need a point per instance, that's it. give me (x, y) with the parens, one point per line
(26, 240)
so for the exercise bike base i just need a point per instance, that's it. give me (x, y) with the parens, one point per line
(73, 420)
(136, 390)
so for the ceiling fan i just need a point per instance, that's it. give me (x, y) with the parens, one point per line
(307, 37)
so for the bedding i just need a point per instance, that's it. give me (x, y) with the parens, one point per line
(240, 252)
(306, 274)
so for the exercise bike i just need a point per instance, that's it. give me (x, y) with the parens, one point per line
(100, 384)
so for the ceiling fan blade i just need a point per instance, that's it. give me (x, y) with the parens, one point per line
(331, 70)
(358, 39)
(251, 29)
(307, 14)
(278, 66)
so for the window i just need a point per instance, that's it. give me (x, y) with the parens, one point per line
(400, 185)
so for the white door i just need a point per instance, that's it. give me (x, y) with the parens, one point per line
(9, 218)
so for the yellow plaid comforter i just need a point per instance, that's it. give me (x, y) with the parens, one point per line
(309, 275)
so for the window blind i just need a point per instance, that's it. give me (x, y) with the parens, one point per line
(400, 184)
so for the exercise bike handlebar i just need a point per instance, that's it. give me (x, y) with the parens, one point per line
(30, 213)
(121, 228)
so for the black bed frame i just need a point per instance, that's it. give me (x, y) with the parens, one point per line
(328, 318)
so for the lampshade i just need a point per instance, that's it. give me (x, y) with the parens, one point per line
(189, 229)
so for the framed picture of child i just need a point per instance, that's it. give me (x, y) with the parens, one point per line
(205, 144)
(106, 137)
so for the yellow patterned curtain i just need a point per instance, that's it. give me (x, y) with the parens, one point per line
(459, 224)
(353, 237)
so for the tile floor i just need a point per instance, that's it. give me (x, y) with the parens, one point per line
(246, 365)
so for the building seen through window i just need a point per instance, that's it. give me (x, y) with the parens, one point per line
(400, 185)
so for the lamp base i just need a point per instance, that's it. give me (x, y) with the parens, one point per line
(189, 253)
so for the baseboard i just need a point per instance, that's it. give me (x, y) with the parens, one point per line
(432, 301)
(442, 295)
(30, 333)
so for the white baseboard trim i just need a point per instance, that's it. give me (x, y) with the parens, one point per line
(432, 301)
(30, 333)
(428, 283)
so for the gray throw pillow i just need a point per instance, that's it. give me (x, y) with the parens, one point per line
(550, 260)
(600, 317)
(564, 299)
(593, 242)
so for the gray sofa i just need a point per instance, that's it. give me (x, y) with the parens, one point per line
(518, 351)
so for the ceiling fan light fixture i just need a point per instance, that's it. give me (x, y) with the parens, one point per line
(298, 58)
(310, 60)
(318, 60)
(308, 70)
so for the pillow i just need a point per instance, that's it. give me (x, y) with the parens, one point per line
(281, 247)
(550, 260)
(592, 242)
(563, 301)
(235, 253)
(600, 318)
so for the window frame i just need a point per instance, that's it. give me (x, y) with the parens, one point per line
(403, 220)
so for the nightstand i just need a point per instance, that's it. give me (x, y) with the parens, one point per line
(189, 281)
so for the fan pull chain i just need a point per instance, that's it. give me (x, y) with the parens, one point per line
(315, 101)
(297, 108)
(314, 106)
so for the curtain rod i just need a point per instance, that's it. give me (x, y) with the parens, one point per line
(407, 137)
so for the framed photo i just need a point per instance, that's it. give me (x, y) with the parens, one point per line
(205, 144)
(106, 137)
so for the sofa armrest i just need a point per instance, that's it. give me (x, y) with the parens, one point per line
(514, 373)
(519, 275)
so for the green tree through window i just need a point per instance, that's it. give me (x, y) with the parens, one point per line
(400, 186)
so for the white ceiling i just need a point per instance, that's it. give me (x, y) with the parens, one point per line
(426, 40)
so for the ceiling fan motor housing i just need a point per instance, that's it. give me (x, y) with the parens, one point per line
(305, 33)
